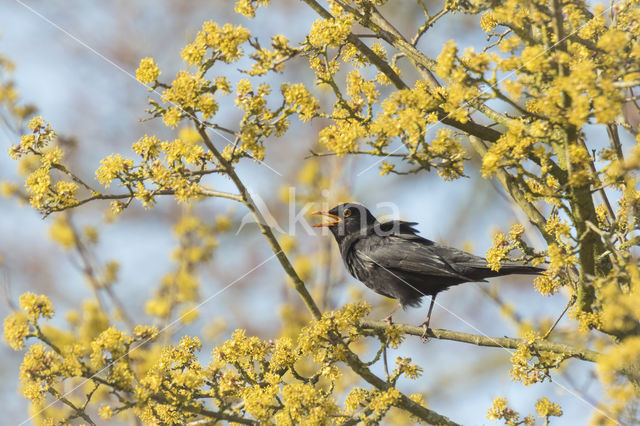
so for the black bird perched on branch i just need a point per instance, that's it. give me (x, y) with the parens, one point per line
(392, 260)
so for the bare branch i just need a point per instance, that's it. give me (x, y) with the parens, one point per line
(427, 24)
(494, 342)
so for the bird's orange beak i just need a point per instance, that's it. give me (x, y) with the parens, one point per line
(336, 219)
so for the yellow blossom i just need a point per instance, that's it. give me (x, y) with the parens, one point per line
(38, 371)
(36, 306)
(112, 167)
(446, 59)
(148, 147)
(300, 100)
(147, 71)
(546, 408)
(498, 252)
(330, 32)
(16, 329)
(36, 123)
(248, 7)
(106, 412)
(62, 233)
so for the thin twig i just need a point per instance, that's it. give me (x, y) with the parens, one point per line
(428, 24)
(384, 359)
(77, 412)
(374, 153)
(598, 182)
(571, 301)
(367, 35)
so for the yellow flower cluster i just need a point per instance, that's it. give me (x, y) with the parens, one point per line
(342, 138)
(546, 408)
(546, 284)
(305, 404)
(379, 402)
(165, 164)
(450, 150)
(298, 99)
(330, 32)
(180, 287)
(314, 338)
(9, 96)
(360, 91)
(16, 329)
(106, 412)
(187, 92)
(112, 167)
(259, 121)
(224, 42)
(531, 366)
(176, 375)
(36, 306)
(45, 193)
(619, 298)
(324, 68)
(191, 92)
(446, 59)
(612, 369)
(148, 71)
(266, 60)
(110, 349)
(394, 336)
(406, 114)
(503, 245)
(517, 145)
(560, 257)
(274, 380)
(62, 233)
(39, 370)
(408, 369)
(248, 7)
(382, 401)
(499, 410)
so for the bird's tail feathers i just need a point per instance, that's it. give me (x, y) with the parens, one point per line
(516, 268)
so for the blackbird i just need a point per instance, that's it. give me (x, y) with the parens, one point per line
(392, 260)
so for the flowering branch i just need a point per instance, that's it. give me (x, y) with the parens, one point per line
(405, 402)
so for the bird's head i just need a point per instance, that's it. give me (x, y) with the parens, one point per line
(346, 219)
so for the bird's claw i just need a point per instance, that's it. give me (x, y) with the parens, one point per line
(425, 331)
(388, 320)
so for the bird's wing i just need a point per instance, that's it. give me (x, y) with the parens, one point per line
(396, 253)
(402, 229)
(460, 258)
(399, 226)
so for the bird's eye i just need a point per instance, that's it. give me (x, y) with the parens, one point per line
(347, 213)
